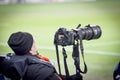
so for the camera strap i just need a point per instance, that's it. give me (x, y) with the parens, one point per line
(65, 63)
(82, 52)
(76, 58)
(58, 60)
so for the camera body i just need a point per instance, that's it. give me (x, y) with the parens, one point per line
(66, 37)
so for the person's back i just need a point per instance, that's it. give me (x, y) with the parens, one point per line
(28, 67)
(25, 64)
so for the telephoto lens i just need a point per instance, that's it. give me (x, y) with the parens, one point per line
(90, 32)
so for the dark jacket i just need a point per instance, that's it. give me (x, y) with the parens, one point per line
(116, 73)
(28, 67)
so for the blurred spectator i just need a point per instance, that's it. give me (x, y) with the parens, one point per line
(116, 74)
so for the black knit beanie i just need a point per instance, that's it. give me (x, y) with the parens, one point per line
(20, 42)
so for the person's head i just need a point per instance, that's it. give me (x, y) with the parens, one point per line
(22, 43)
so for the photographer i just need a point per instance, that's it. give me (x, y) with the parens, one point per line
(26, 63)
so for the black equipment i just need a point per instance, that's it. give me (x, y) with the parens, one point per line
(116, 73)
(74, 37)
(15, 67)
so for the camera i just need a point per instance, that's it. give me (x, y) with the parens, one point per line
(74, 37)
(66, 37)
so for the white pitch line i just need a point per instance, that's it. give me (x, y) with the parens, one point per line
(102, 52)
(103, 44)
(70, 49)
(3, 44)
(86, 51)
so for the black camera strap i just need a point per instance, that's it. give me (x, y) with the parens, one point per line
(58, 60)
(82, 52)
(65, 63)
(76, 58)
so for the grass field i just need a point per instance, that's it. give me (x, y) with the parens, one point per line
(43, 20)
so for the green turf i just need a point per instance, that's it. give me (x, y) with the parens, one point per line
(43, 20)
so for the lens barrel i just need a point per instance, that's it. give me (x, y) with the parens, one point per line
(90, 32)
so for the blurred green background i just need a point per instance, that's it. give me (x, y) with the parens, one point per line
(42, 21)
